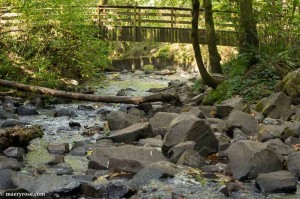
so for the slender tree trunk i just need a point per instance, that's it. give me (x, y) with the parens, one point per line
(174, 99)
(207, 79)
(214, 56)
(249, 38)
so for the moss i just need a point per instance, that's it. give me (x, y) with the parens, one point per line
(148, 67)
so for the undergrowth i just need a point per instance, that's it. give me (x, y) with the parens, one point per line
(253, 83)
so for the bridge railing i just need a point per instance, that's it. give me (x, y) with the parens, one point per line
(168, 17)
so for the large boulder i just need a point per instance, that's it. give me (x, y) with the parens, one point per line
(27, 110)
(277, 182)
(278, 147)
(224, 108)
(161, 121)
(6, 179)
(250, 158)
(131, 155)
(187, 127)
(132, 133)
(293, 164)
(291, 85)
(277, 106)
(246, 122)
(119, 120)
(48, 184)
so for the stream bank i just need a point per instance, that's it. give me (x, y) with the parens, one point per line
(98, 150)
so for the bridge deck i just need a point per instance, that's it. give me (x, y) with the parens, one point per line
(160, 24)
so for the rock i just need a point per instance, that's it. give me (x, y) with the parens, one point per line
(14, 152)
(224, 108)
(292, 141)
(278, 147)
(101, 156)
(57, 159)
(161, 121)
(10, 163)
(196, 111)
(175, 152)
(271, 121)
(118, 190)
(85, 107)
(224, 143)
(63, 169)
(121, 93)
(6, 179)
(293, 164)
(146, 107)
(217, 125)
(297, 114)
(60, 112)
(191, 158)
(39, 102)
(12, 123)
(131, 166)
(27, 110)
(50, 184)
(152, 142)
(190, 128)
(154, 171)
(19, 136)
(219, 167)
(80, 148)
(6, 115)
(119, 120)
(74, 124)
(244, 121)
(277, 182)
(94, 190)
(268, 132)
(238, 134)
(208, 111)
(290, 85)
(277, 106)
(135, 112)
(104, 143)
(83, 178)
(198, 98)
(58, 148)
(132, 133)
(250, 158)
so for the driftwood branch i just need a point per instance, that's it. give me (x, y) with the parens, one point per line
(173, 99)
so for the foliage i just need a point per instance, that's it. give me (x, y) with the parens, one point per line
(255, 82)
(58, 41)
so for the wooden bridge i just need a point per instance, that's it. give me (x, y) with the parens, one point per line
(160, 24)
(141, 23)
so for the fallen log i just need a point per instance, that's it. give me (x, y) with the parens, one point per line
(161, 97)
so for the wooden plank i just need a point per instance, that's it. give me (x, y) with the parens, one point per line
(144, 7)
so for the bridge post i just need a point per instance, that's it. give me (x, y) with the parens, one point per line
(134, 21)
(172, 25)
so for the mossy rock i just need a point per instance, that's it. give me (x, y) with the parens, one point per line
(148, 67)
(290, 85)
(19, 136)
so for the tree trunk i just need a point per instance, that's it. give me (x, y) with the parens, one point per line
(249, 39)
(207, 79)
(214, 56)
(174, 99)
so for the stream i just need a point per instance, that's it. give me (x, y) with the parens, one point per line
(88, 115)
